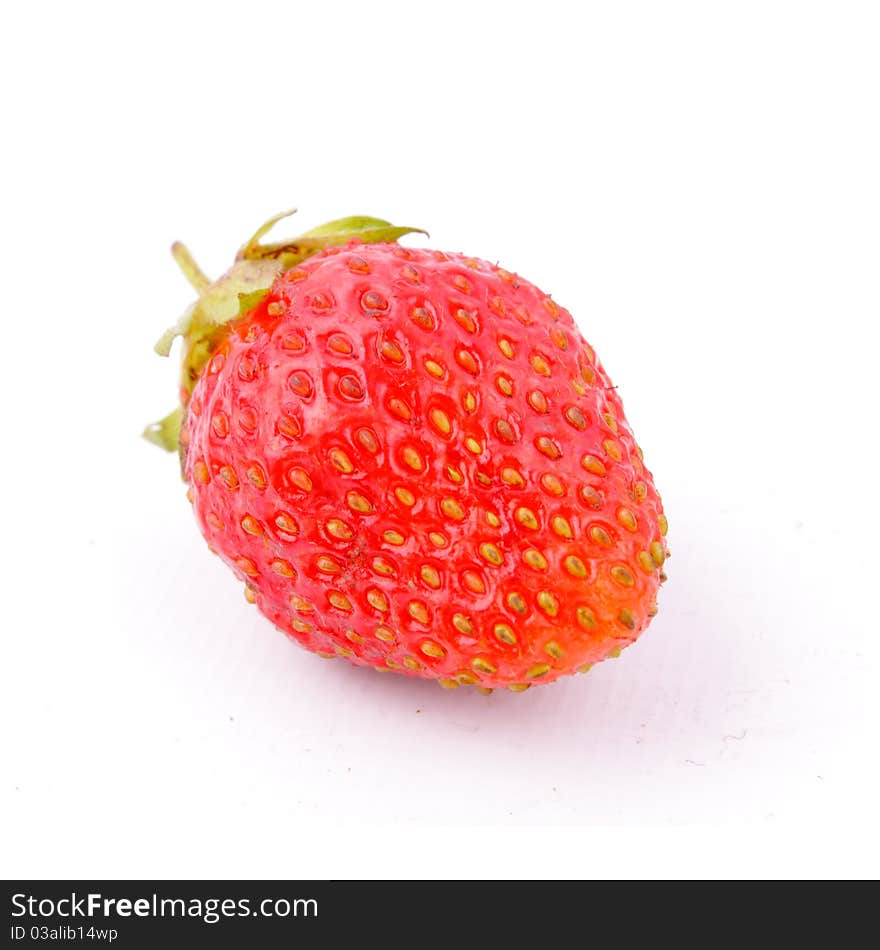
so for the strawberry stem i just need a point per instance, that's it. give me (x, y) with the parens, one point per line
(240, 289)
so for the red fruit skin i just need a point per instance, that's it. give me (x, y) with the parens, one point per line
(524, 543)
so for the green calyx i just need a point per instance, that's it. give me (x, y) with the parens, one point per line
(239, 290)
(166, 432)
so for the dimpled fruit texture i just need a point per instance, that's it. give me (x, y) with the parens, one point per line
(414, 461)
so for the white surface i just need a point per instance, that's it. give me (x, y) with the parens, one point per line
(698, 183)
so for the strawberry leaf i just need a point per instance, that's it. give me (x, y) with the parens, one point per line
(248, 301)
(241, 289)
(166, 432)
(332, 234)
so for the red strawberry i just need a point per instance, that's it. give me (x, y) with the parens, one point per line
(415, 461)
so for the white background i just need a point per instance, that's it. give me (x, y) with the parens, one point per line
(698, 184)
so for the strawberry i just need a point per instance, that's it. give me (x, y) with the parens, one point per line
(413, 460)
